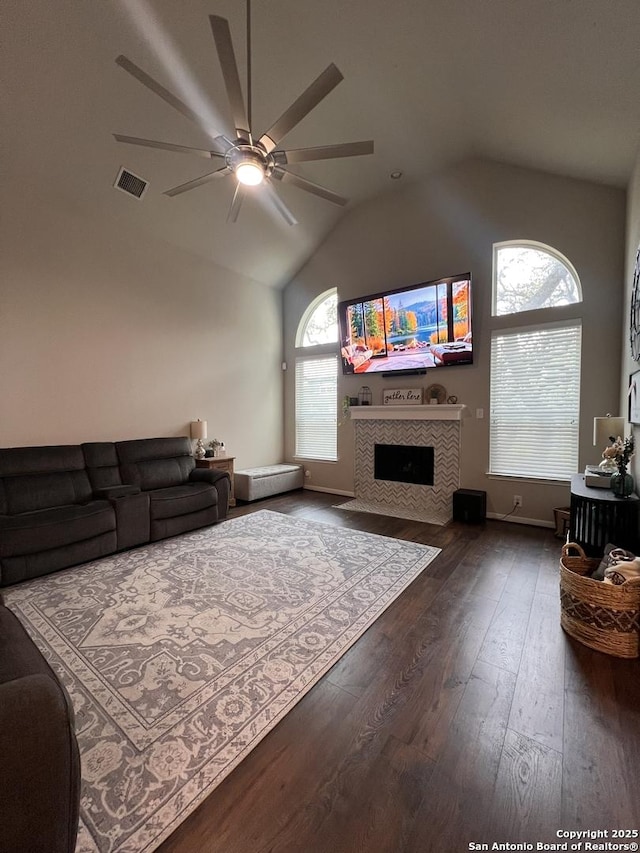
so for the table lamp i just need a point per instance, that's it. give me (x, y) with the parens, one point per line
(199, 431)
(605, 432)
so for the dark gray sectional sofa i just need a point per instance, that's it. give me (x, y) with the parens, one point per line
(64, 505)
(40, 775)
(60, 506)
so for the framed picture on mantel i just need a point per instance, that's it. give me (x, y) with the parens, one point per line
(402, 397)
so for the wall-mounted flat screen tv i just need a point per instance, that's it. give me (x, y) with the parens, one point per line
(408, 329)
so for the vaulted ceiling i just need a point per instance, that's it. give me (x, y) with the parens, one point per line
(549, 84)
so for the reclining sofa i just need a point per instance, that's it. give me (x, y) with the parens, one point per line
(64, 505)
(40, 780)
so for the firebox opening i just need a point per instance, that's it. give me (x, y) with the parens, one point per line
(403, 463)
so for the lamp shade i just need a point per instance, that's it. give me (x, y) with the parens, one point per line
(604, 428)
(198, 429)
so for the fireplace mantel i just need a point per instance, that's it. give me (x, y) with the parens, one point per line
(444, 412)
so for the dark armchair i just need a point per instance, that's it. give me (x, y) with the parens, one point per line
(181, 496)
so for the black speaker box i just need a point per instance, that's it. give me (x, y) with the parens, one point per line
(469, 506)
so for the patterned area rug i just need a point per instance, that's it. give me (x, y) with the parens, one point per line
(181, 656)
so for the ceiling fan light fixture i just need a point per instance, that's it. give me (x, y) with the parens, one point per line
(250, 174)
(253, 161)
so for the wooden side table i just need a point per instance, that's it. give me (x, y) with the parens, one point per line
(220, 463)
(599, 517)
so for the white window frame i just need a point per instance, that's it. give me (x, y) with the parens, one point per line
(541, 247)
(536, 436)
(316, 434)
(308, 314)
(539, 443)
(316, 441)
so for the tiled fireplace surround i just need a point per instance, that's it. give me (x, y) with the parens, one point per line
(430, 426)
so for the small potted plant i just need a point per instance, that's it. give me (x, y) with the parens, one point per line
(621, 453)
(215, 444)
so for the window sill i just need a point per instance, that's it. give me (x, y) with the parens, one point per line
(314, 459)
(521, 478)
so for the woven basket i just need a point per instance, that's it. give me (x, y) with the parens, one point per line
(597, 614)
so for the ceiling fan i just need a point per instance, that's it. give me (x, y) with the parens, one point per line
(252, 161)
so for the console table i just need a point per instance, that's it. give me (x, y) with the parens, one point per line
(220, 463)
(599, 517)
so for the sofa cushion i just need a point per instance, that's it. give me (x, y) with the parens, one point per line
(27, 566)
(31, 532)
(161, 528)
(102, 464)
(19, 656)
(181, 500)
(155, 463)
(270, 470)
(33, 478)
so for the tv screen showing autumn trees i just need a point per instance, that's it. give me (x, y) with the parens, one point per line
(427, 325)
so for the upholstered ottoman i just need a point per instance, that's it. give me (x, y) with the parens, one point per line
(254, 483)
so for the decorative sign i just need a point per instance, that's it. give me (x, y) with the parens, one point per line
(402, 397)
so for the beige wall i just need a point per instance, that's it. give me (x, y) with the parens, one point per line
(105, 337)
(447, 225)
(628, 364)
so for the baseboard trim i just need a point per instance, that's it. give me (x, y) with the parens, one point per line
(329, 491)
(532, 522)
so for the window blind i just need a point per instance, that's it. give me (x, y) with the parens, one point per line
(535, 401)
(316, 408)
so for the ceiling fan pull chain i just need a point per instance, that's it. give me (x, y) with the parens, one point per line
(249, 66)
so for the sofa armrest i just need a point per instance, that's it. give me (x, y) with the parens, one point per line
(222, 482)
(131, 506)
(112, 492)
(133, 523)
(40, 770)
(208, 475)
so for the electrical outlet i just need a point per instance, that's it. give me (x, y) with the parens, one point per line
(517, 501)
(307, 473)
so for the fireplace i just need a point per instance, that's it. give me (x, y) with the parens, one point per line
(403, 463)
(403, 488)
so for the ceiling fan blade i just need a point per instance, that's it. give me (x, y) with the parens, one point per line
(171, 99)
(324, 152)
(236, 203)
(303, 184)
(167, 146)
(198, 182)
(227, 57)
(279, 205)
(309, 99)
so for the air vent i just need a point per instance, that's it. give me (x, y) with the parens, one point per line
(130, 184)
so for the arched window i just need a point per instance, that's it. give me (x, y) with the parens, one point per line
(319, 323)
(535, 368)
(529, 275)
(316, 385)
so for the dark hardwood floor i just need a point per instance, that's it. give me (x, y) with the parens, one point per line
(464, 714)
